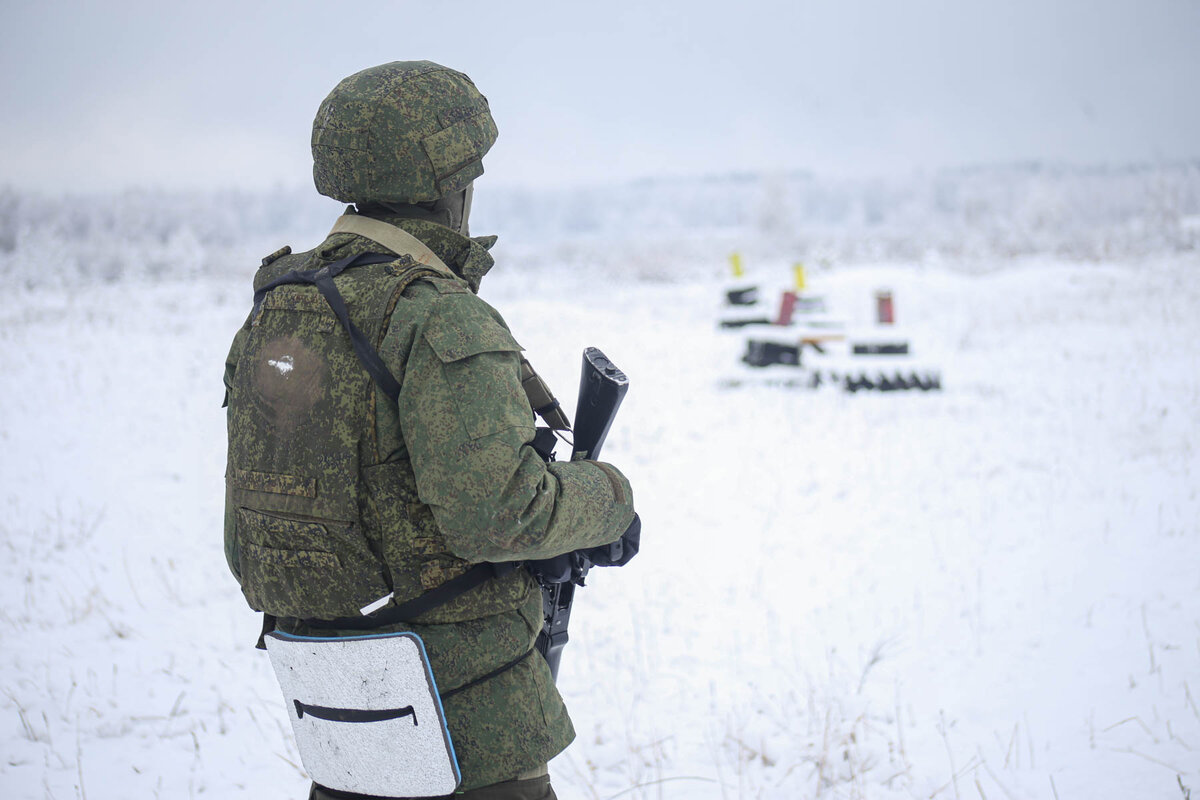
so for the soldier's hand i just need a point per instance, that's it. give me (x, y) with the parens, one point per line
(618, 553)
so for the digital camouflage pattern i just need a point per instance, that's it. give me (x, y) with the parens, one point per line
(405, 132)
(336, 495)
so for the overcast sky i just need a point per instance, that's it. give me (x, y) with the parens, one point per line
(211, 94)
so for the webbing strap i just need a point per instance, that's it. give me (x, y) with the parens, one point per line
(439, 595)
(322, 278)
(541, 399)
(395, 239)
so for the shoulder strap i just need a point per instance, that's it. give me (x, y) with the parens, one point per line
(541, 399)
(397, 240)
(322, 278)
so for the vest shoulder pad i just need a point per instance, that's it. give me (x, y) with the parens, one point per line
(403, 263)
(463, 325)
(286, 250)
(449, 285)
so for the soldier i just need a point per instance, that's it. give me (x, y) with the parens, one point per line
(381, 450)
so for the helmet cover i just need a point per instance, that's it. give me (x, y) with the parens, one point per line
(404, 132)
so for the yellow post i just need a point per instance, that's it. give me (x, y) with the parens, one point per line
(798, 275)
(735, 261)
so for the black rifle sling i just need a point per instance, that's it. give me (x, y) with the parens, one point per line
(322, 278)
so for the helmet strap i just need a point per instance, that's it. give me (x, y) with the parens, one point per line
(468, 195)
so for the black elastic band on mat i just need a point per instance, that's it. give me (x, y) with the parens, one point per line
(354, 714)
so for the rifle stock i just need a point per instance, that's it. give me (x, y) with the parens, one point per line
(602, 387)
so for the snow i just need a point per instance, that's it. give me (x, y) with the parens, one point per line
(986, 592)
(284, 364)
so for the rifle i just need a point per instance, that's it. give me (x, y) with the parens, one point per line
(602, 387)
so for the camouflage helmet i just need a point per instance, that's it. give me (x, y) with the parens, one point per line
(404, 132)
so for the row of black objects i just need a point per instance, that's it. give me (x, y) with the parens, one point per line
(763, 353)
(880, 349)
(899, 382)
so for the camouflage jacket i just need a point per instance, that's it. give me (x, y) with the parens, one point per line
(446, 479)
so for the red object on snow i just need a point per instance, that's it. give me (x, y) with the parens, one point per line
(787, 305)
(885, 312)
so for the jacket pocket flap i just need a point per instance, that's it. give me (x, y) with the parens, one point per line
(456, 342)
(312, 559)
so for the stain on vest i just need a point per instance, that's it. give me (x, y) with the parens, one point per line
(289, 379)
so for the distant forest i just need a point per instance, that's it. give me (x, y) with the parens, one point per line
(971, 214)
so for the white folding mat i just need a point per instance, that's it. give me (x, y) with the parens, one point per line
(366, 712)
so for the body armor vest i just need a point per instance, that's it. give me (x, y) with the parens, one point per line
(323, 526)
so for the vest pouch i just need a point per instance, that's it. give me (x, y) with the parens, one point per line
(306, 568)
(366, 713)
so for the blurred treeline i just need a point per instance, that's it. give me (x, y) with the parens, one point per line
(966, 216)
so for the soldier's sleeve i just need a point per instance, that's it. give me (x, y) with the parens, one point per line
(468, 427)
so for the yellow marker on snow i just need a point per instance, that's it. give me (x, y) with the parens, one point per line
(798, 274)
(735, 261)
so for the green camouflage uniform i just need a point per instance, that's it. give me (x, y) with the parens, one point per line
(336, 495)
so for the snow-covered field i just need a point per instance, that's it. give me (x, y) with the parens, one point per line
(988, 592)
